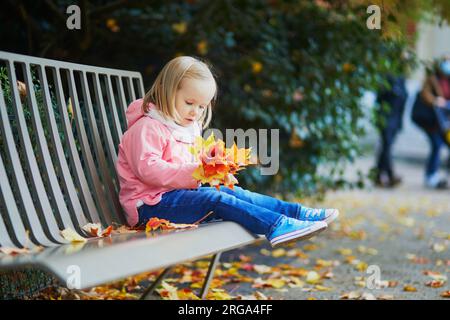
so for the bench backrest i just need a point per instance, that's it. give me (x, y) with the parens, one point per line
(60, 127)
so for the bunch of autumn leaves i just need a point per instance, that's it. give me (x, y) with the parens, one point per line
(218, 165)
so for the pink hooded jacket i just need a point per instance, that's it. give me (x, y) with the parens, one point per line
(153, 159)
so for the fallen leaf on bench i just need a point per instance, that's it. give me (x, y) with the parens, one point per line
(183, 225)
(74, 247)
(155, 223)
(107, 232)
(123, 230)
(14, 251)
(72, 235)
(95, 230)
(92, 229)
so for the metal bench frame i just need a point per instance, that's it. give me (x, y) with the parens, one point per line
(49, 185)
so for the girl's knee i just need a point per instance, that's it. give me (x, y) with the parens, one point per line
(234, 192)
(212, 196)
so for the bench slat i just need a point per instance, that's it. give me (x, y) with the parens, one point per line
(84, 192)
(105, 172)
(43, 153)
(9, 204)
(91, 170)
(35, 182)
(28, 209)
(105, 128)
(76, 211)
(117, 129)
(71, 186)
(123, 102)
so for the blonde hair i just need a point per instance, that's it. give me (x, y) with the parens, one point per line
(162, 93)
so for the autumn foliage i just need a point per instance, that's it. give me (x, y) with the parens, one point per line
(218, 164)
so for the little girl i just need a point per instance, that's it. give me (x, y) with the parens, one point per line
(155, 167)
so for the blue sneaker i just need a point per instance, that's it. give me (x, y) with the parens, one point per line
(313, 214)
(290, 229)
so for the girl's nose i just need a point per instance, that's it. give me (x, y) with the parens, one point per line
(194, 111)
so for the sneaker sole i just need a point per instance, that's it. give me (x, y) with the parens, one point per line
(332, 217)
(298, 235)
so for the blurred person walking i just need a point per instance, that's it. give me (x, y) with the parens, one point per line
(428, 114)
(391, 102)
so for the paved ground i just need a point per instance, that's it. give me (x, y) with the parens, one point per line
(403, 233)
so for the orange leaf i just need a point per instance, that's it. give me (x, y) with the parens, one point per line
(107, 232)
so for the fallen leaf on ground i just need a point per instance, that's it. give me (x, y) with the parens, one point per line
(269, 283)
(168, 292)
(435, 283)
(278, 253)
(409, 288)
(261, 269)
(344, 251)
(439, 247)
(312, 277)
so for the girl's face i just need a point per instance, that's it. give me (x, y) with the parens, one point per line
(192, 99)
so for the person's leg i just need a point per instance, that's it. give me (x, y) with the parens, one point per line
(190, 206)
(383, 160)
(289, 209)
(433, 162)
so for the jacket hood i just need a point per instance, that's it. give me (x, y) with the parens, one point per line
(134, 112)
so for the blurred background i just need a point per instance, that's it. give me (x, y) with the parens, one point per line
(309, 68)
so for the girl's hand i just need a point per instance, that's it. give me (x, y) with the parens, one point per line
(440, 102)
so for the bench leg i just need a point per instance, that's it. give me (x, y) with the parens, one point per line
(210, 275)
(155, 284)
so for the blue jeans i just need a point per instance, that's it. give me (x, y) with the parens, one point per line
(436, 143)
(258, 213)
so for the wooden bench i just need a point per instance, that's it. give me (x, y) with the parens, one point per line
(58, 148)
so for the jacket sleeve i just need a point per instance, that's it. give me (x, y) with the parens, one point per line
(145, 160)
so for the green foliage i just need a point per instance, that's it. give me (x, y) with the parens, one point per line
(299, 66)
